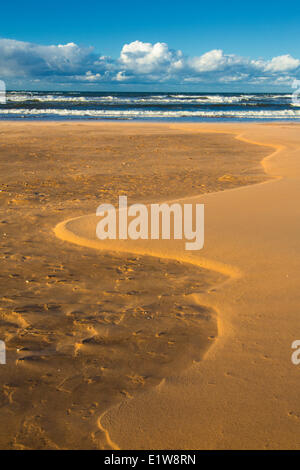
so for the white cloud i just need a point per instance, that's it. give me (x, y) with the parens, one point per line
(212, 60)
(90, 77)
(279, 64)
(283, 63)
(144, 57)
(216, 60)
(139, 62)
(121, 77)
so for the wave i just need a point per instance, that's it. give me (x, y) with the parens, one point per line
(136, 105)
(250, 114)
(51, 98)
(164, 99)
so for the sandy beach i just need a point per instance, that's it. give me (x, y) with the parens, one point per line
(142, 344)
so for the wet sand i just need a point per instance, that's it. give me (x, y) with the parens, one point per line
(146, 335)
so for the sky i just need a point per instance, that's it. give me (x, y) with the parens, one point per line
(151, 45)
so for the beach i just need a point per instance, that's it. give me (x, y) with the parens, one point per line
(141, 344)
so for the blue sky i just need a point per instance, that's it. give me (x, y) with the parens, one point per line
(250, 36)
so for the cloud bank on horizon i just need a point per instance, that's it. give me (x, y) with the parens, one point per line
(138, 63)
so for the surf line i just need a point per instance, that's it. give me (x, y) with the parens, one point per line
(163, 221)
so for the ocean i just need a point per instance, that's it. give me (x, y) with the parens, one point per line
(191, 107)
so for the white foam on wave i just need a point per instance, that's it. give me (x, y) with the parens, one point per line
(163, 99)
(46, 98)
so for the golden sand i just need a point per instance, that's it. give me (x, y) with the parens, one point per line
(190, 349)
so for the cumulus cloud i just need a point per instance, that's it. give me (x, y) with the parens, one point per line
(144, 57)
(210, 61)
(89, 77)
(138, 62)
(121, 76)
(283, 63)
(19, 58)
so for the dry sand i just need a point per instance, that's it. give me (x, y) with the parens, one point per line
(101, 343)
